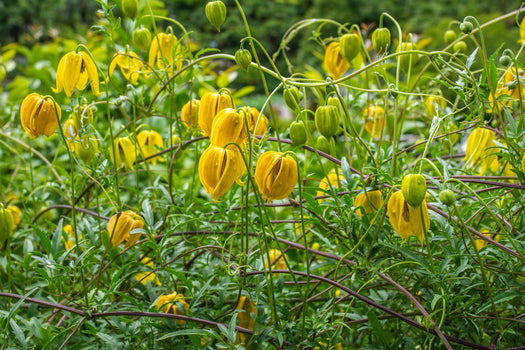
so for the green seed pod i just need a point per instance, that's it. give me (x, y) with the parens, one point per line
(216, 13)
(381, 39)
(450, 36)
(142, 38)
(349, 46)
(327, 120)
(243, 58)
(447, 197)
(292, 97)
(298, 133)
(460, 47)
(414, 188)
(408, 60)
(466, 27)
(130, 8)
(6, 225)
(322, 144)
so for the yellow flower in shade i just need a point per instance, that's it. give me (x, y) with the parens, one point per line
(124, 152)
(129, 63)
(70, 235)
(120, 227)
(165, 50)
(374, 119)
(17, 215)
(337, 346)
(512, 86)
(150, 141)
(190, 112)
(480, 146)
(173, 303)
(228, 126)
(406, 220)
(219, 168)
(332, 180)
(211, 104)
(244, 317)
(522, 31)
(276, 175)
(144, 277)
(39, 116)
(256, 122)
(276, 260)
(70, 133)
(433, 104)
(334, 62)
(480, 243)
(75, 70)
(370, 201)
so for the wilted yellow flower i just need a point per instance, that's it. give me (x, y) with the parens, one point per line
(371, 201)
(275, 175)
(124, 152)
(332, 180)
(150, 141)
(228, 126)
(219, 168)
(511, 85)
(256, 121)
(173, 303)
(244, 317)
(433, 105)
(334, 62)
(144, 277)
(38, 115)
(406, 220)
(120, 227)
(165, 50)
(211, 104)
(75, 70)
(129, 63)
(480, 146)
(374, 119)
(277, 260)
(190, 112)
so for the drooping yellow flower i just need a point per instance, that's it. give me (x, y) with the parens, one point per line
(370, 201)
(275, 175)
(334, 62)
(256, 122)
(480, 243)
(150, 141)
(124, 152)
(433, 104)
(332, 180)
(219, 168)
(173, 303)
(228, 126)
(165, 50)
(406, 220)
(244, 317)
(39, 116)
(512, 86)
(75, 70)
(211, 104)
(129, 63)
(190, 112)
(277, 260)
(120, 227)
(480, 146)
(374, 119)
(144, 277)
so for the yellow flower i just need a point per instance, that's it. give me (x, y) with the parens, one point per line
(38, 115)
(150, 141)
(511, 86)
(120, 227)
(228, 126)
(275, 175)
(164, 51)
(406, 220)
(124, 151)
(256, 121)
(332, 180)
(70, 242)
(75, 70)
(190, 112)
(70, 133)
(522, 31)
(480, 243)
(433, 104)
(129, 63)
(17, 215)
(374, 119)
(371, 201)
(337, 346)
(244, 317)
(334, 62)
(219, 168)
(173, 303)
(480, 146)
(144, 277)
(276, 260)
(211, 104)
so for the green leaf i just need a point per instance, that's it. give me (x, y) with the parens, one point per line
(378, 328)
(500, 298)
(19, 334)
(201, 332)
(147, 213)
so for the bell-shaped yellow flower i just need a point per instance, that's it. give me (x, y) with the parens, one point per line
(374, 119)
(129, 63)
(276, 175)
(334, 62)
(150, 141)
(165, 50)
(433, 104)
(144, 277)
(228, 126)
(120, 227)
(75, 70)
(173, 303)
(244, 317)
(39, 115)
(277, 260)
(406, 220)
(122, 152)
(219, 168)
(211, 104)
(370, 201)
(332, 180)
(257, 123)
(190, 112)
(480, 146)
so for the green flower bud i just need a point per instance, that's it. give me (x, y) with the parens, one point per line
(327, 120)
(408, 60)
(6, 225)
(505, 60)
(322, 144)
(216, 13)
(450, 36)
(349, 46)
(243, 58)
(142, 38)
(460, 47)
(130, 8)
(414, 188)
(298, 133)
(292, 97)
(381, 39)
(447, 197)
(466, 27)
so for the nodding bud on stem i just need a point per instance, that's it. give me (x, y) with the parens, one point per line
(216, 13)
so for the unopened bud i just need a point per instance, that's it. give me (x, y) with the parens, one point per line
(298, 133)
(142, 38)
(216, 13)
(447, 197)
(381, 39)
(130, 8)
(466, 27)
(450, 36)
(243, 58)
(414, 188)
(349, 46)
